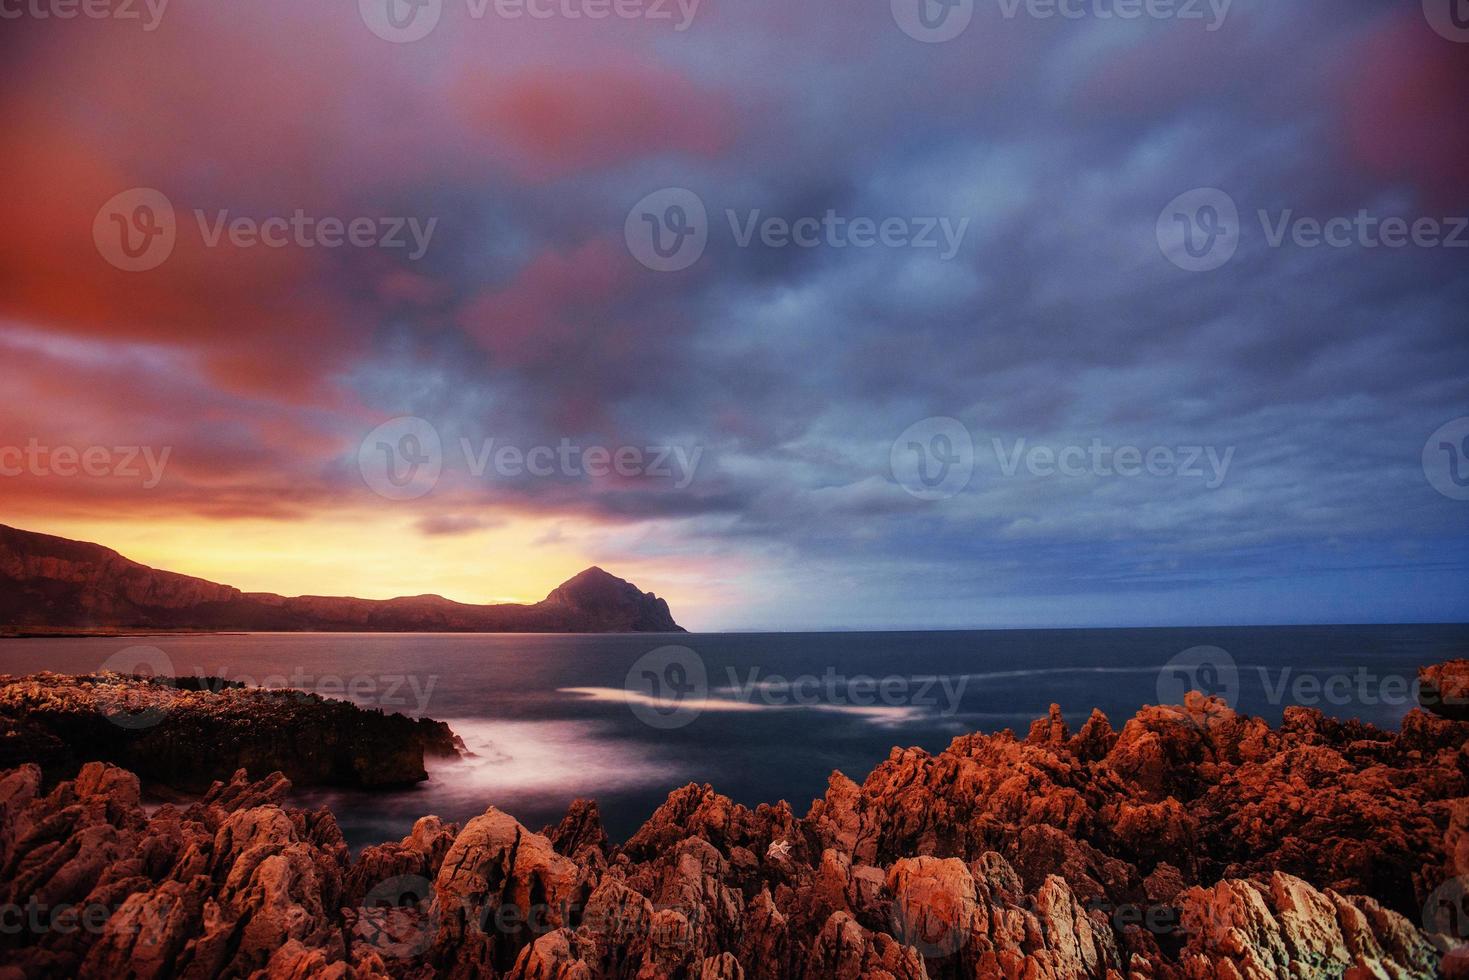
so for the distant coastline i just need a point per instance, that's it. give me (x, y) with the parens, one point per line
(41, 633)
(55, 586)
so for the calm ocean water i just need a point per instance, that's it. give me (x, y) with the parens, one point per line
(548, 719)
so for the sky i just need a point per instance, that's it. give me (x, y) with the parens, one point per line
(462, 298)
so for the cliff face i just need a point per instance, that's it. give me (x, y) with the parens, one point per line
(48, 582)
(1194, 844)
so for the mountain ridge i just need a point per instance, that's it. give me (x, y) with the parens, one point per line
(53, 583)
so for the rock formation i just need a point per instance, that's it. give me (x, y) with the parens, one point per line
(1444, 689)
(185, 733)
(52, 584)
(1195, 844)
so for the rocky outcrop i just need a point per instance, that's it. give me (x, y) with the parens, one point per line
(51, 584)
(1194, 844)
(185, 733)
(1444, 689)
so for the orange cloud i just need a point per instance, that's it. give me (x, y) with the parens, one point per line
(556, 121)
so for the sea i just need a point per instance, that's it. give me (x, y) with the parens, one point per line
(761, 717)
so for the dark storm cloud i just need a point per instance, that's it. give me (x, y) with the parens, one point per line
(1058, 320)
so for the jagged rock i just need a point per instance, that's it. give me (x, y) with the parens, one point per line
(499, 885)
(384, 867)
(1444, 689)
(579, 830)
(1195, 844)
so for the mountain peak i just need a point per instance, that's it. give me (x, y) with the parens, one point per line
(613, 603)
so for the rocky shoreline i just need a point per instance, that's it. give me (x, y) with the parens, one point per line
(1193, 843)
(186, 733)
